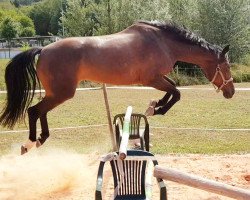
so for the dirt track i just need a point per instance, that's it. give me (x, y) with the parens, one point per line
(68, 176)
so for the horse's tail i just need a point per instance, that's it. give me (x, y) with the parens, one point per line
(21, 81)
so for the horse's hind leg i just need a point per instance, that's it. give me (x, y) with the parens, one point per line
(39, 111)
(33, 115)
(163, 105)
(45, 130)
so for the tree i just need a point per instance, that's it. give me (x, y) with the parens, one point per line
(27, 32)
(18, 17)
(41, 17)
(184, 12)
(46, 16)
(125, 13)
(23, 24)
(27, 28)
(25, 21)
(226, 22)
(8, 30)
(81, 18)
(16, 3)
(108, 16)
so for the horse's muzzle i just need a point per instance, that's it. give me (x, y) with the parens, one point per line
(228, 94)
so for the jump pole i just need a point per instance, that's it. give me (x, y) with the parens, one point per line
(109, 116)
(125, 134)
(201, 183)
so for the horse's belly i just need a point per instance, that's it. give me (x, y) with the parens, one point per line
(115, 77)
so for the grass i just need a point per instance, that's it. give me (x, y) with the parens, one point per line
(204, 142)
(3, 63)
(197, 109)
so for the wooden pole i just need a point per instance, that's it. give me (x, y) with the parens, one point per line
(125, 134)
(109, 117)
(201, 183)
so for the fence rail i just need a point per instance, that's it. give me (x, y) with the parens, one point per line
(201, 183)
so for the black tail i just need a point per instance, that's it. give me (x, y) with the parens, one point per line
(21, 81)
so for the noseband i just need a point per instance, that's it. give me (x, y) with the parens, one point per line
(225, 82)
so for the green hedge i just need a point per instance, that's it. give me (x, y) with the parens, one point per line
(183, 79)
(240, 73)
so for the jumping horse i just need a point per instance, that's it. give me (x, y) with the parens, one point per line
(143, 54)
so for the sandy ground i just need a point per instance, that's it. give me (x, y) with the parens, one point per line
(61, 175)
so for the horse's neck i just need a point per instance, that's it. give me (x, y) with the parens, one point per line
(195, 54)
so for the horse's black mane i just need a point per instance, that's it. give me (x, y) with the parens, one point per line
(183, 34)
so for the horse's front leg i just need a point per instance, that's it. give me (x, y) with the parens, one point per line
(165, 108)
(163, 83)
(154, 103)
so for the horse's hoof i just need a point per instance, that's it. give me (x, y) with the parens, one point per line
(27, 146)
(38, 143)
(150, 111)
(152, 103)
(23, 150)
(137, 144)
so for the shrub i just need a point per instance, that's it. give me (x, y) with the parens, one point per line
(183, 79)
(27, 32)
(240, 73)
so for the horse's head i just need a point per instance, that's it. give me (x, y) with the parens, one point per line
(219, 74)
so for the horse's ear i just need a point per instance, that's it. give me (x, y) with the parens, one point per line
(225, 50)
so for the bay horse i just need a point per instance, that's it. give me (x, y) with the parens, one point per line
(143, 54)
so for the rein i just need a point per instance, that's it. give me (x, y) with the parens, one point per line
(225, 82)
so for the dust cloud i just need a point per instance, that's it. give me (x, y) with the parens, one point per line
(50, 174)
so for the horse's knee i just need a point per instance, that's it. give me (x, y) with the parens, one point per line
(170, 80)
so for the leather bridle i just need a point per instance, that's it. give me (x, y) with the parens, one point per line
(225, 81)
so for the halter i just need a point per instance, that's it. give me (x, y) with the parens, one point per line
(225, 82)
